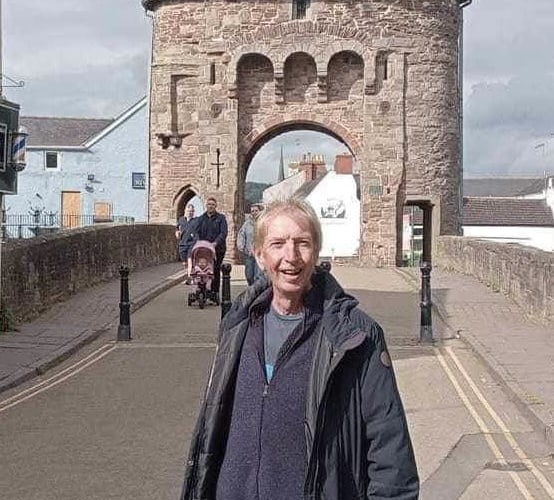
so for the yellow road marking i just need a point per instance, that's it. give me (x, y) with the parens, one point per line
(484, 429)
(507, 433)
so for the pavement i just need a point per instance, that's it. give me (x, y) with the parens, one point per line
(68, 326)
(518, 350)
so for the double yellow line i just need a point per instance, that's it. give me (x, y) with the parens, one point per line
(485, 429)
(58, 378)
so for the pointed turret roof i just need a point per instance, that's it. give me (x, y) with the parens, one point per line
(281, 174)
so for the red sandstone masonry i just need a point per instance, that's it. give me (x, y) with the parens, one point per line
(525, 274)
(325, 72)
(39, 272)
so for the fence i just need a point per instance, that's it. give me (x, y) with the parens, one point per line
(18, 226)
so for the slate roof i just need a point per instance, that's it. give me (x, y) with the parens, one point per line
(49, 131)
(303, 191)
(506, 212)
(503, 186)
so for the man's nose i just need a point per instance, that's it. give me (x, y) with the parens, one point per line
(291, 251)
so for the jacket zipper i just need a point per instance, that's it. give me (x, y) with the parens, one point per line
(335, 359)
(264, 395)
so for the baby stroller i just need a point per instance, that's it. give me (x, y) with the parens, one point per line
(203, 258)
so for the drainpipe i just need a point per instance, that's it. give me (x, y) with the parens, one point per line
(463, 4)
(149, 108)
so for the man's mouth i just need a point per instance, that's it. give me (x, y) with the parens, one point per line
(291, 272)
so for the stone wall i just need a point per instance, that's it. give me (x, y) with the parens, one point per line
(525, 274)
(39, 272)
(380, 76)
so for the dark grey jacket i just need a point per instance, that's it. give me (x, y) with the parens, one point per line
(358, 446)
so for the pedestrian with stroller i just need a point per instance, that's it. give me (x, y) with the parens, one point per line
(212, 226)
(302, 401)
(184, 233)
(245, 244)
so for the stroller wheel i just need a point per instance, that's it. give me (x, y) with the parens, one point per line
(201, 300)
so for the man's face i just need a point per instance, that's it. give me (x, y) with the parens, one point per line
(254, 211)
(189, 212)
(288, 254)
(211, 206)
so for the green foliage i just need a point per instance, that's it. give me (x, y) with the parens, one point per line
(7, 320)
(253, 192)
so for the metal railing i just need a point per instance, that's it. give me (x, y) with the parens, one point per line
(28, 226)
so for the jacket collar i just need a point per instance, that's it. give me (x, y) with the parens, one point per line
(326, 297)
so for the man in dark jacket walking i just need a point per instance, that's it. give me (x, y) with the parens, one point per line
(302, 402)
(212, 226)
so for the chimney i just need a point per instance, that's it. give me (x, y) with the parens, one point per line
(344, 163)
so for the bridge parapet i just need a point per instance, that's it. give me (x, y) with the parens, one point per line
(525, 274)
(39, 272)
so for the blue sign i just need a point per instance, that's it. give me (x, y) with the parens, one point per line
(139, 180)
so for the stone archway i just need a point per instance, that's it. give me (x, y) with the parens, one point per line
(239, 74)
(310, 167)
(183, 196)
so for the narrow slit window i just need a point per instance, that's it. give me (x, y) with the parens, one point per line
(212, 74)
(300, 8)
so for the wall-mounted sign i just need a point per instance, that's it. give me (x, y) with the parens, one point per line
(139, 180)
(333, 208)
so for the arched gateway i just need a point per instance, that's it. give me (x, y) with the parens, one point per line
(379, 75)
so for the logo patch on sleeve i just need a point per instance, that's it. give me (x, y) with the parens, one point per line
(385, 359)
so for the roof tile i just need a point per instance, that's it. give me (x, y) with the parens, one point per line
(506, 212)
(49, 131)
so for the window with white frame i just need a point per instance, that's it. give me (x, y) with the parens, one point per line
(51, 159)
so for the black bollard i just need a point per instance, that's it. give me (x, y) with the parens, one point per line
(426, 322)
(225, 288)
(124, 329)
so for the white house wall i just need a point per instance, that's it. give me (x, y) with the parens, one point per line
(334, 201)
(111, 161)
(538, 237)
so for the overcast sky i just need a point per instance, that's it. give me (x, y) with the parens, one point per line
(89, 58)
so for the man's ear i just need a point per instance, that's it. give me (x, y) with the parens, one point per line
(257, 255)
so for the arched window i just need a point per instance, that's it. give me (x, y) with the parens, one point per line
(345, 76)
(300, 8)
(300, 78)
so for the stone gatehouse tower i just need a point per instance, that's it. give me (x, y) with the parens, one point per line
(381, 76)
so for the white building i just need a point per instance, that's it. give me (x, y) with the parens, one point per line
(81, 171)
(335, 197)
(525, 217)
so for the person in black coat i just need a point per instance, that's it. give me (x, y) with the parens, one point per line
(302, 401)
(212, 226)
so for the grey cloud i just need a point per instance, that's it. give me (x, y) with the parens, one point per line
(99, 93)
(509, 85)
(78, 58)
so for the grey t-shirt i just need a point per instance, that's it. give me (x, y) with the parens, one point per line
(277, 329)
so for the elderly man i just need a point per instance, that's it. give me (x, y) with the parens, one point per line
(245, 244)
(302, 401)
